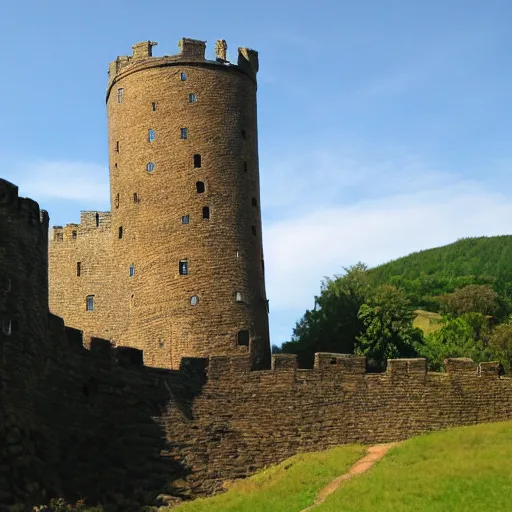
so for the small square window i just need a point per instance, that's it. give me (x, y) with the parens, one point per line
(150, 167)
(184, 133)
(206, 212)
(185, 219)
(151, 135)
(132, 270)
(89, 303)
(183, 76)
(192, 98)
(153, 106)
(197, 161)
(59, 237)
(238, 297)
(73, 235)
(183, 267)
(120, 94)
(194, 300)
(243, 338)
(200, 187)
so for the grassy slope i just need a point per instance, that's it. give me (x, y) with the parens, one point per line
(461, 469)
(287, 487)
(428, 322)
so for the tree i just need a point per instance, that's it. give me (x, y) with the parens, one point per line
(463, 336)
(478, 298)
(332, 325)
(500, 345)
(388, 331)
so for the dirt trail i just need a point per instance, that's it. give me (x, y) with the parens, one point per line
(373, 454)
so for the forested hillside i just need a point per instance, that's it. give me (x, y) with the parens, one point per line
(424, 274)
(371, 311)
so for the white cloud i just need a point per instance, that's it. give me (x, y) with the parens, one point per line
(60, 180)
(300, 252)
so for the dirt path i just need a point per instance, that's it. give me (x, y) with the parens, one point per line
(373, 454)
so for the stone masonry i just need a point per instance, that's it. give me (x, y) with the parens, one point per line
(176, 269)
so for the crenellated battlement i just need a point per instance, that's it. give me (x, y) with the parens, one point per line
(27, 210)
(89, 221)
(191, 51)
(334, 364)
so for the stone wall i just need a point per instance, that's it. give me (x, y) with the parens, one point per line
(102, 425)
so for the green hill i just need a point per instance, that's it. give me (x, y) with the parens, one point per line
(432, 272)
(468, 468)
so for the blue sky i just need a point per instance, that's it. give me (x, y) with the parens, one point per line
(384, 125)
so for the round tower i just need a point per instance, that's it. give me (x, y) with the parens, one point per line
(186, 222)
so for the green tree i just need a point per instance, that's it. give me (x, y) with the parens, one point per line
(333, 324)
(388, 331)
(463, 336)
(500, 345)
(477, 298)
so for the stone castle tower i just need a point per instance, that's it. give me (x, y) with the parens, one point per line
(176, 268)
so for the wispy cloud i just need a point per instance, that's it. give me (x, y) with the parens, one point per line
(59, 180)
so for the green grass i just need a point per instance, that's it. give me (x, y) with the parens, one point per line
(288, 487)
(427, 321)
(462, 469)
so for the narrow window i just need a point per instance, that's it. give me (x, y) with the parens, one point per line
(194, 300)
(132, 270)
(153, 106)
(5, 284)
(184, 133)
(197, 161)
(200, 187)
(89, 303)
(185, 219)
(254, 201)
(116, 201)
(244, 135)
(237, 253)
(238, 297)
(115, 165)
(120, 93)
(132, 300)
(78, 268)
(243, 338)
(192, 98)
(150, 167)
(117, 146)
(151, 135)
(135, 197)
(183, 267)
(263, 266)
(97, 220)
(120, 232)
(253, 229)
(59, 237)
(183, 76)
(245, 166)
(73, 235)
(206, 212)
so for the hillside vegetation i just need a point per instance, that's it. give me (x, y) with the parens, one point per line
(468, 468)
(433, 272)
(451, 301)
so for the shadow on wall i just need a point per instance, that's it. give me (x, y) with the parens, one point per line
(97, 426)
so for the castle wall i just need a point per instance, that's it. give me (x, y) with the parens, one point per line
(82, 264)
